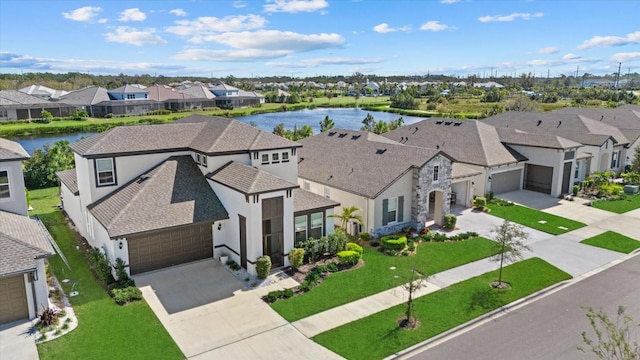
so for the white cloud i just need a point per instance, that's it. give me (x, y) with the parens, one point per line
(510, 17)
(306, 63)
(209, 25)
(548, 50)
(571, 56)
(178, 12)
(294, 6)
(230, 55)
(624, 57)
(129, 35)
(238, 4)
(566, 59)
(83, 14)
(608, 41)
(276, 40)
(385, 28)
(433, 26)
(133, 14)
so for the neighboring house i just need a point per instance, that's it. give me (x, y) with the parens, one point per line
(394, 185)
(161, 195)
(173, 100)
(225, 90)
(626, 118)
(24, 243)
(371, 88)
(17, 105)
(84, 99)
(489, 85)
(605, 143)
(129, 92)
(43, 92)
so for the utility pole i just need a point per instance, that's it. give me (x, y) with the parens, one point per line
(618, 75)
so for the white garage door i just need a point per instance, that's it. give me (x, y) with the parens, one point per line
(505, 181)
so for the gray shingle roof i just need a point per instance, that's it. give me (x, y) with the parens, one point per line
(15, 97)
(459, 171)
(87, 96)
(519, 137)
(625, 118)
(358, 162)
(162, 93)
(199, 92)
(207, 134)
(12, 151)
(305, 201)
(249, 180)
(570, 126)
(22, 240)
(70, 179)
(171, 194)
(467, 141)
(128, 88)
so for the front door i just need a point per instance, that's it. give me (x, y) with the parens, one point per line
(243, 241)
(566, 178)
(273, 230)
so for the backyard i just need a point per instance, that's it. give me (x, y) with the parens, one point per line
(105, 330)
(532, 218)
(377, 275)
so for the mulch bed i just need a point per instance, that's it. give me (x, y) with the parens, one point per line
(299, 274)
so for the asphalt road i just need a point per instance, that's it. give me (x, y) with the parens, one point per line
(551, 327)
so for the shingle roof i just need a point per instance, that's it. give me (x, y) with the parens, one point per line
(249, 180)
(128, 88)
(570, 126)
(459, 171)
(22, 240)
(70, 179)
(41, 90)
(305, 200)
(163, 92)
(625, 118)
(171, 194)
(207, 134)
(519, 137)
(87, 96)
(199, 92)
(15, 97)
(12, 151)
(467, 141)
(224, 87)
(358, 162)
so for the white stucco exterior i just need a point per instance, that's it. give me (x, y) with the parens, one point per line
(16, 202)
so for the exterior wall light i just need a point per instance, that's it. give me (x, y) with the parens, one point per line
(120, 245)
(219, 226)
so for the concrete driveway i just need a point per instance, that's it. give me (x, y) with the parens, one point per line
(211, 314)
(17, 341)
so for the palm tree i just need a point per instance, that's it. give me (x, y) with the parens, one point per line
(326, 124)
(348, 214)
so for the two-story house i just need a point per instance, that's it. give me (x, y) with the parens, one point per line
(161, 195)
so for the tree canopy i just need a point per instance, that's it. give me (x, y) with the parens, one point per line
(40, 170)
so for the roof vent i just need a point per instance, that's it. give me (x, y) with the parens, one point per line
(559, 123)
(602, 118)
(342, 135)
(380, 151)
(457, 123)
(355, 137)
(539, 122)
(142, 178)
(448, 122)
(438, 147)
(439, 122)
(331, 133)
(402, 139)
(414, 131)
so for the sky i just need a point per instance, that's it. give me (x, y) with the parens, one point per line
(301, 38)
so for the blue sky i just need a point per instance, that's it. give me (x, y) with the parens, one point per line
(301, 38)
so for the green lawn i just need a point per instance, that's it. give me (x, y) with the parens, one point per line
(376, 276)
(105, 330)
(532, 217)
(630, 202)
(613, 241)
(378, 336)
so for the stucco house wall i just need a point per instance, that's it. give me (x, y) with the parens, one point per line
(16, 202)
(548, 157)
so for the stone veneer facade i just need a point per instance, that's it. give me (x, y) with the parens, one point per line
(423, 184)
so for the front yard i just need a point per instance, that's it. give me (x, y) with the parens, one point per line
(378, 335)
(533, 218)
(613, 241)
(627, 203)
(376, 275)
(105, 330)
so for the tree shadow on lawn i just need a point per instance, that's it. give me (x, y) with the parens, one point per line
(485, 299)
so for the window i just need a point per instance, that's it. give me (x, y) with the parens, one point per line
(316, 226)
(301, 228)
(275, 158)
(307, 185)
(131, 96)
(3, 113)
(435, 173)
(569, 155)
(327, 192)
(204, 160)
(265, 159)
(614, 157)
(4, 184)
(198, 159)
(392, 210)
(105, 172)
(285, 157)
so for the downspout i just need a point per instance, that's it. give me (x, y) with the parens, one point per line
(33, 292)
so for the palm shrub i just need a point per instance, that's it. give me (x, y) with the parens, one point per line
(121, 274)
(263, 266)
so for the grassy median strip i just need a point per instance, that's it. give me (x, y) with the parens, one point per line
(105, 330)
(613, 241)
(378, 335)
(376, 275)
(534, 219)
(628, 203)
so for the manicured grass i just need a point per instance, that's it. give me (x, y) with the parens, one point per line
(613, 241)
(105, 330)
(376, 276)
(531, 217)
(378, 335)
(630, 202)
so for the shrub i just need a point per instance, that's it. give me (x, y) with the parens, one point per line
(576, 189)
(364, 236)
(263, 266)
(348, 257)
(124, 280)
(126, 295)
(276, 295)
(48, 316)
(355, 247)
(480, 202)
(394, 242)
(489, 196)
(374, 243)
(101, 266)
(336, 241)
(608, 189)
(450, 221)
(296, 257)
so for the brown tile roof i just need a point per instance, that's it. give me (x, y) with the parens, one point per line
(22, 241)
(249, 180)
(570, 126)
(70, 179)
(358, 162)
(459, 171)
(12, 151)
(467, 141)
(305, 201)
(519, 137)
(171, 194)
(207, 134)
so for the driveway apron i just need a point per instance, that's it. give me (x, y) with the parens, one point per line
(17, 341)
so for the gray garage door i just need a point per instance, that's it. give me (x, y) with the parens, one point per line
(13, 299)
(538, 178)
(505, 181)
(163, 248)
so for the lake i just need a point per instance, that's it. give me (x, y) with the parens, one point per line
(345, 118)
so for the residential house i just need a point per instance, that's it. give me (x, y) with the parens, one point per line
(43, 92)
(129, 92)
(24, 243)
(85, 99)
(161, 195)
(17, 105)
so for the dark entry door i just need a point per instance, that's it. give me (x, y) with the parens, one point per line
(272, 230)
(243, 241)
(566, 178)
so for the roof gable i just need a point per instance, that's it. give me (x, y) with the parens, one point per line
(12, 151)
(249, 180)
